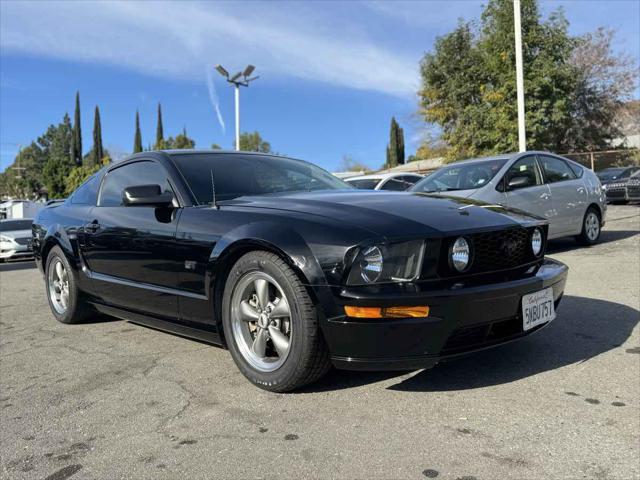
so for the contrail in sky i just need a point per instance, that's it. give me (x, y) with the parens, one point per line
(213, 96)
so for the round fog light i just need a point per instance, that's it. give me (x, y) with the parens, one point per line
(460, 254)
(536, 241)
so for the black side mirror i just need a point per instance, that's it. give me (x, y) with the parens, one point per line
(518, 182)
(146, 195)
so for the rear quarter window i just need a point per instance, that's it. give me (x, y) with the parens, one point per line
(87, 193)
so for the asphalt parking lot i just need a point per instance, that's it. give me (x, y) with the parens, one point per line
(111, 399)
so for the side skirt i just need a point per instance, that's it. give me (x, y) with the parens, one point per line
(177, 329)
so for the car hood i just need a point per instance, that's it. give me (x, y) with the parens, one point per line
(395, 214)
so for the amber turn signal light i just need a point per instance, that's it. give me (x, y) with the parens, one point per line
(386, 312)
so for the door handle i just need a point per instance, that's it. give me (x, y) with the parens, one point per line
(92, 227)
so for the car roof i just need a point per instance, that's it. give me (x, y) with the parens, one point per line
(381, 176)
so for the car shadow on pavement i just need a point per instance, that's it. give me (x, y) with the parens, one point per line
(584, 329)
(566, 244)
(17, 265)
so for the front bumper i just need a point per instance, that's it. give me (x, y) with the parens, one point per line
(462, 319)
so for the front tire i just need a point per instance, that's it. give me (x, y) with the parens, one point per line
(65, 299)
(271, 324)
(590, 227)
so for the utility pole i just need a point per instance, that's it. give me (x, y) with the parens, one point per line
(237, 83)
(517, 24)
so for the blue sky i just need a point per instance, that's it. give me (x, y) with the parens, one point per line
(331, 73)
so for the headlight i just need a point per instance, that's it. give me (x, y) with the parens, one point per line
(536, 241)
(460, 254)
(371, 264)
(396, 262)
(6, 239)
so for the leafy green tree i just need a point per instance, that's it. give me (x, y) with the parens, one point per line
(469, 84)
(182, 141)
(23, 178)
(395, 148)
(160, 144)
(137, 138)
(253, 142)
(78, 175)
(97, 152)
(56, 146)
(76, 148)
(215, 146)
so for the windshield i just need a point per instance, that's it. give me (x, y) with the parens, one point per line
(610, 173)
(460, 176)
(238, 175)
(365, 183)
(13, 225)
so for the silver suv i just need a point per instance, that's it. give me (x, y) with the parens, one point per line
(567, 194)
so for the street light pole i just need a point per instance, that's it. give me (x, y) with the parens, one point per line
(237, 117)
(517, 25)
(237, 83)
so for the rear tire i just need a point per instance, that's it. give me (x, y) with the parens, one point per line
(66, 301)
(271, 324)
(590, 227)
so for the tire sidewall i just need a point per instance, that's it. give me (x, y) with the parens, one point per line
(257, 261)
(68, 316)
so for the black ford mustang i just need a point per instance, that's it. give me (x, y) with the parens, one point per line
(292, 269)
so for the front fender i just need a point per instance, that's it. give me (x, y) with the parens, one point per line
(288, 244)
(285, 241)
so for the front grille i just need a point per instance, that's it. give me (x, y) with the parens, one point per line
(633, 189)
(616, 193)
(22, 241)
(493, 251)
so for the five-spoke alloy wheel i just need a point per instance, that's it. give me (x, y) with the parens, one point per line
(58, 286)
(271, 324)
(66, 301)
(261, 321)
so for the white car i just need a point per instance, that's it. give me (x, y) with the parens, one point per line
(385, 181)
(15, 238)
(564, 192)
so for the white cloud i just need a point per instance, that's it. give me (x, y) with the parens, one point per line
(179, 39)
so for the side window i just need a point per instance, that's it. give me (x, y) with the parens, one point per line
(577, 169)
(410, 179)
(556, 170)
(138, 173)
(395, 184)
(87, 193)
(524, 173)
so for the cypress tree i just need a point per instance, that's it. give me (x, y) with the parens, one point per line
(97, 153)
(159, 131)
(395, 148)
(137, 139)
(76, 143)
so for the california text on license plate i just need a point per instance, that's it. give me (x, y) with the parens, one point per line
(537, 308)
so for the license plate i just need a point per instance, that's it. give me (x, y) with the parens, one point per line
(537, 308)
